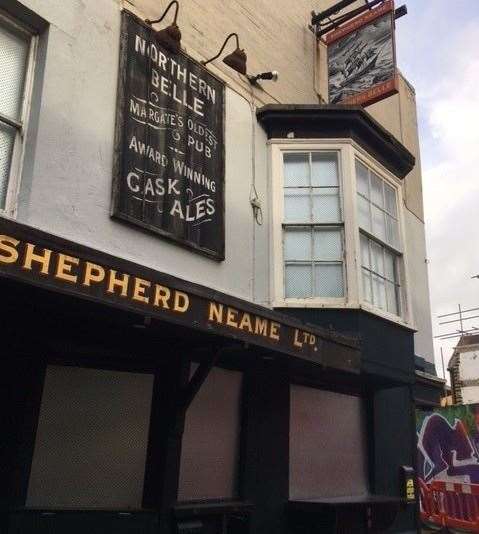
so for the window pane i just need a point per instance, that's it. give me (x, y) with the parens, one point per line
(367, 296)
(365, 251)
(297, 205)
(210, 446)
(392, 231)
(7, 138)
(379, 292)
(326, 205)
(362, 179)
(389, 271)
(376, 190)
(391, 295)
(297, 244)
(364, 215)
(328, 445)
(324, 169)
(91, 441)
(377, 258)
(298, 281)
(327, 245)
(328, 280)
(379, 227)
(296, 170)
(390, 197)
(13, 59)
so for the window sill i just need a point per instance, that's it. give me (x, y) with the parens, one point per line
(312, 303)
(201, 508)
(311, 503)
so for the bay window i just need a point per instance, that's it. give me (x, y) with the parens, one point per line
(337, 221)
(379, 239)
(312, 226)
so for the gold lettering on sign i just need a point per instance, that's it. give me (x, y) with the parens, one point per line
(64, 268)
(78, 271)
(261, 326)
(216, 312)
(246, 322)
(93, 273)
(232, 317)
(296, 341)
(121, 282)
(182, 302)
(139, 290)
(42, 259)
(8, 245)
(274, 331)
(162, 295)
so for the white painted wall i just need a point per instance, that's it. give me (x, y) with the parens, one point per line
(415, 247)
(70, 192)
(470, 395)
(469, 365)
(469, 370)
(66, 186)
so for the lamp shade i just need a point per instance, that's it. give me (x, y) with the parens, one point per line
(170, 38)
(236, 60)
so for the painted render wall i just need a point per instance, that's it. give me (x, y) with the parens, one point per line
(66, 184)
(70, 188)
(469, 370)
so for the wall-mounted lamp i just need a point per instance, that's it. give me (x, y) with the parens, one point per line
(272, 75)
(236, 60)
(169, 37)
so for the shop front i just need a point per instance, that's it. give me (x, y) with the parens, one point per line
(138, 402)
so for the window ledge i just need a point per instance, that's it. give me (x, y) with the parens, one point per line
(201, 508)
(313, 303)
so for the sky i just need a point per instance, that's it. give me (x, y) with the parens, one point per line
(438, 52)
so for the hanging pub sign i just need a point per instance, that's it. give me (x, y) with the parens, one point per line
(362, 58)
(169, 161)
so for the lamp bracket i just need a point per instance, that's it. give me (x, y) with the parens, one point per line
(222, 48)
(177, 5)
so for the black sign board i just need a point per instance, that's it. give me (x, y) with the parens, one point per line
(37, 258)
(169, 161)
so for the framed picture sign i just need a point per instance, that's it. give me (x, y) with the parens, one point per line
(169, 150)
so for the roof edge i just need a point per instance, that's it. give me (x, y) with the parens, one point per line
(325, 121)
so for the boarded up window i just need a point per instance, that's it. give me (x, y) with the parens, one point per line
(209, 456)
(91, 441)
(328, 455)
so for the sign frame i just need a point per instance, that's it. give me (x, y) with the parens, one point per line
(217, 253)
(380, 90)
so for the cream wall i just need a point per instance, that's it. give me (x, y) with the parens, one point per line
(66, 184)
(260, 23)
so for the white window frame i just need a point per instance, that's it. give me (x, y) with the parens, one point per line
(348, 151)
(20, 126)
(405, 317)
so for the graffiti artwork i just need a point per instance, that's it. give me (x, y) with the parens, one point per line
(448, 466)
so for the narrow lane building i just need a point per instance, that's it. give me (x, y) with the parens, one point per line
(215, 305)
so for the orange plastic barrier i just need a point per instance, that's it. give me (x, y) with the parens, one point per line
(450, 504)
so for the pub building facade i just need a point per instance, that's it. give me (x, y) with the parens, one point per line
(215, 307)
